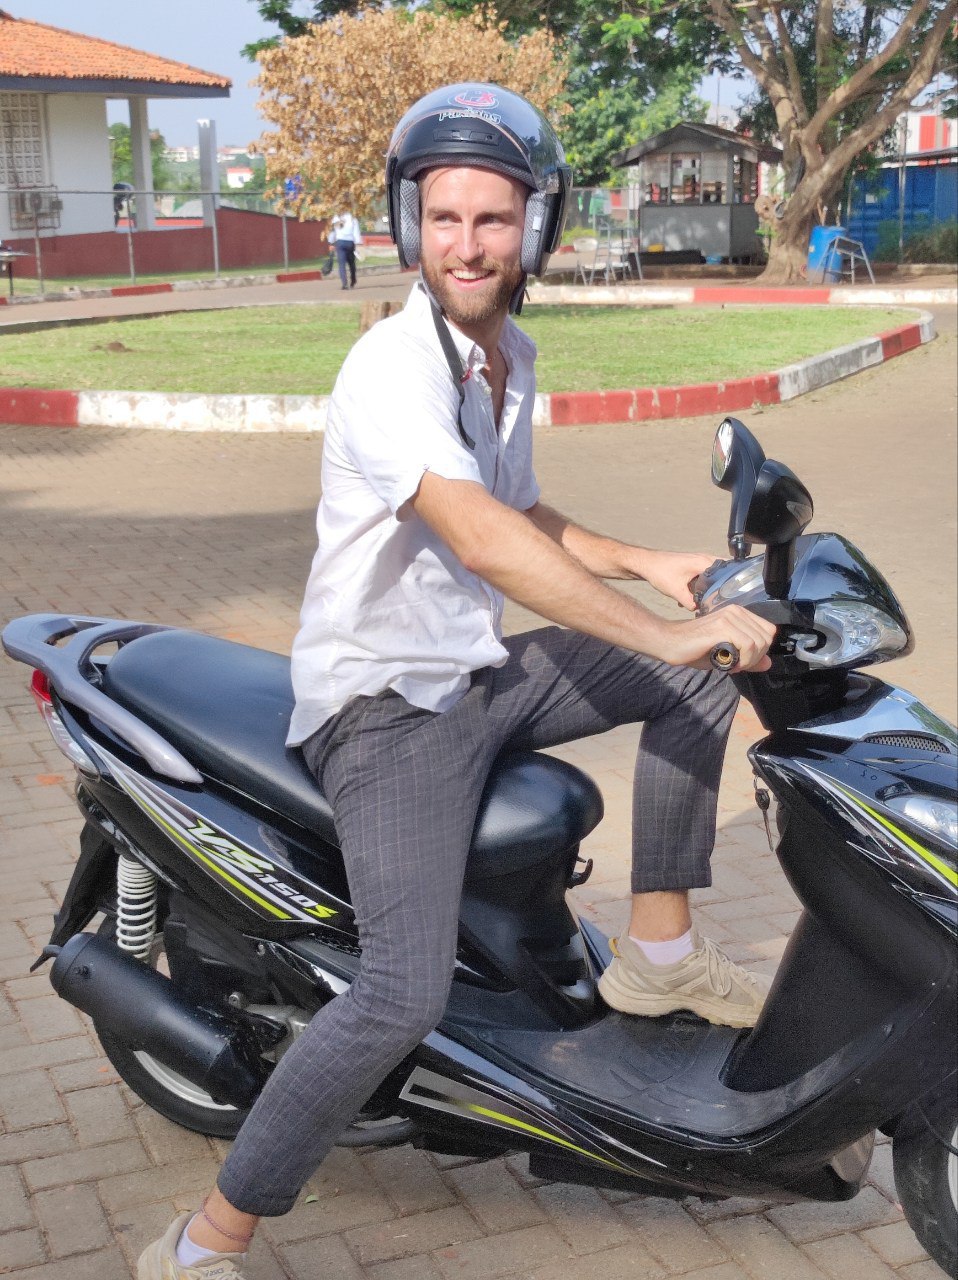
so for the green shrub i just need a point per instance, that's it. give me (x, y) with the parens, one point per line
(925, 242)
(933, 243)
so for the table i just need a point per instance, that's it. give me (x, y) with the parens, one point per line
(7, 257)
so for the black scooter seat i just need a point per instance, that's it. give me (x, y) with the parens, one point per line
(227, 706)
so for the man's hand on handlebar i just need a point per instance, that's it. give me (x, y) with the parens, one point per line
(672, 573)
(691, 642)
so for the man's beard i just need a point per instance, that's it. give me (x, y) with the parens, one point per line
(464, 309)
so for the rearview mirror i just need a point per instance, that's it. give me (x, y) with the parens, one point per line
(770, 504)
(737, 459)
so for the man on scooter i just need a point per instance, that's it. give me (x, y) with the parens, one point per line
(406, 689)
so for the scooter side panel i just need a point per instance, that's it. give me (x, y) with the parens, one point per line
(201, 843)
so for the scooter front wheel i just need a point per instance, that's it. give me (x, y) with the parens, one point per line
(925, 1157)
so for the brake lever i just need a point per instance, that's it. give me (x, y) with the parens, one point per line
(699, 584)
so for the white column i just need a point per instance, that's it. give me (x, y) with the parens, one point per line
(209, 168)
(142, 164)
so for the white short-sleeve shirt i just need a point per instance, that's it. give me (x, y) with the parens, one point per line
(387, 604)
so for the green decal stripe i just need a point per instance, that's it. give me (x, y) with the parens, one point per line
(539, 1133)
(213, 866)
(933, 861)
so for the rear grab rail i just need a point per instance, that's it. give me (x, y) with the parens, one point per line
(34, 640)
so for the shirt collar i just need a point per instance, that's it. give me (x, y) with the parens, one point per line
(513, 342)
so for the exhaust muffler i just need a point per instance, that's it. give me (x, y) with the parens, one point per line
(141, 1007)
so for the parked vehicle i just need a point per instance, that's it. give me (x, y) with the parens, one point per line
(210, 857)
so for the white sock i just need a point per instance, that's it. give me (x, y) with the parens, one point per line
(188, 1253)
(670, 952)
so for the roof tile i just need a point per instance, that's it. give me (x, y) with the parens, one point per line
(33, 50)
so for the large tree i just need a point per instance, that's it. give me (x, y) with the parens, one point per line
(836, 75)
(335, 94)
(622, 86)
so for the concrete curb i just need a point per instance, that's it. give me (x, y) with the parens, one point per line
(653, 295)
(182, 286)
(257, 413)
(625, 295)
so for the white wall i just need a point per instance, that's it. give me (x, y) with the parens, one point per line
(80, 160)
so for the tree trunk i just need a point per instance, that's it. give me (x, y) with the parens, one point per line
(788, 248)
(373, 312)
(788, 251)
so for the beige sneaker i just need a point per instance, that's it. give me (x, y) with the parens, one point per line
(705, 982)
(158, 1260)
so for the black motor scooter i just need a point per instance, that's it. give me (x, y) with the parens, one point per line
(211, 857)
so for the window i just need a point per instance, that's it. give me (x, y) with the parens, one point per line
(655, 171)
(714, 177)
(686, 178)
(744, 180)
(22, 162)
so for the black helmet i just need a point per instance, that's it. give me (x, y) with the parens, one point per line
(491, 128)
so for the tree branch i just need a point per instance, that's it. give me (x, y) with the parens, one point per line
(846, 93)
(796, 93)
(872, 128)
(824, 35)
(764, 68)
(868, 26)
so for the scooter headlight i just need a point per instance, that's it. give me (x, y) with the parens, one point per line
(747, 579)
(852, 631)
(937, 817)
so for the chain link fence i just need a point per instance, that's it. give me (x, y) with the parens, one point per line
(120, 235)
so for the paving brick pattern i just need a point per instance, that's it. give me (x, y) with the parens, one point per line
(216, 533)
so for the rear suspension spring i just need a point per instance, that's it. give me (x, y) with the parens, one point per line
(135, 907)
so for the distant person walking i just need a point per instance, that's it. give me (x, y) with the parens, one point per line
(348, 236)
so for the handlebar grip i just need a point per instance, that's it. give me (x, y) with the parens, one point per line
(724, 657)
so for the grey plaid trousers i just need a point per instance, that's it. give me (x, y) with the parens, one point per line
(405, 786)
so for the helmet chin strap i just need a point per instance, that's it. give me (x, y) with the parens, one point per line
(517, 299)
(453, 360)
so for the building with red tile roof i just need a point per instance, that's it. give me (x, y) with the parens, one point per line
(53, 124)
(38, 58)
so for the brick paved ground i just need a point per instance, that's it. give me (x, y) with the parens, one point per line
(216, 532)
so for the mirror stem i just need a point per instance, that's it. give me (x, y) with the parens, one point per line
(738, 546)
(778, 568)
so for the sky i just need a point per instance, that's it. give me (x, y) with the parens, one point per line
(207, 34)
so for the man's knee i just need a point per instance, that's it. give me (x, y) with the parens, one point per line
(404, 1011)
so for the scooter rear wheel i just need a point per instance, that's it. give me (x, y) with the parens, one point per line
(159, 1086)
(183, 1102)
(926, 1174)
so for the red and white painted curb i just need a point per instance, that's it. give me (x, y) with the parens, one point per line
(257, 413)
(710, 295)
(164, 286)
(621, 295)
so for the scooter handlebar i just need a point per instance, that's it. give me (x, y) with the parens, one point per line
(724, 657)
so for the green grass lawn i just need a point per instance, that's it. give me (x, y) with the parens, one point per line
(297, 350)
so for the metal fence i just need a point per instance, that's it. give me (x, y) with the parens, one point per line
(593, 210)
(48, 232)
(120, 233)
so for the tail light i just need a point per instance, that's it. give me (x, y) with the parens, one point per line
(40, 688)
(43, 697)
